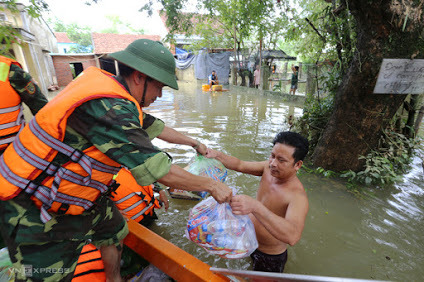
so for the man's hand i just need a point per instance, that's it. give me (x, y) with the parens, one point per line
(202, 149)
(164, 199)
(210, 153)
(243, 204)
(220, 192)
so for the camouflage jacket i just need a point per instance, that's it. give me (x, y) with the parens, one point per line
(112, 126)
(24, 85)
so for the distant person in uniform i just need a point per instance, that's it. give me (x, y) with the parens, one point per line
(281, 205)
(213, 79)
(16, 86)
(294, 79)
(257, 76)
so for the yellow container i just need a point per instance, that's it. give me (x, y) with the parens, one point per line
(216, 87)
(206, 87)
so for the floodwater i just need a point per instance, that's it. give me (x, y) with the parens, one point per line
(373, 237)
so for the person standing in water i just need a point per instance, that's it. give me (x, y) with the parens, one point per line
(281, 205)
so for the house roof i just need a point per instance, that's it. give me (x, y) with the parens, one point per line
(106, 43)
(275, 54)
(62, 37)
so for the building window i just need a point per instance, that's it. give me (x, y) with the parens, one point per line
(3, 17)
(76, 69)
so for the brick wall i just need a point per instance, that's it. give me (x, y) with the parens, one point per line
(63, 69)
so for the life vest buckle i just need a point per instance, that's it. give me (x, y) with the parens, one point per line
(31, 190)
(51, 171)
(112, 188)
(63, 209)
(76, 155)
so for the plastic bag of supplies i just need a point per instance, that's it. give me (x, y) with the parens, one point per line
(204, 167)
(214, 227)
(6, 268)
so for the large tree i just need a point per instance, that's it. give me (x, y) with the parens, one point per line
(384, 29)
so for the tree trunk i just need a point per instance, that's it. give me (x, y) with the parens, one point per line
(310, 80)
(408, 130)
(359, 115)
(419, 120)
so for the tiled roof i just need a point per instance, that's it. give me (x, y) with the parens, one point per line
(62, 37)
(106, 43)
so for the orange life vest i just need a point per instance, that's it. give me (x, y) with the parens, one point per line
(135, 200)
(75, 186)
(90, 266)
(11, 110)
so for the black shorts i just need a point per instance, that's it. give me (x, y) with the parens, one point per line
(268, 263)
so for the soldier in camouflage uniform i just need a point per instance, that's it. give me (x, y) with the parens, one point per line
(24, 85)
(29, 92)
(49, 251)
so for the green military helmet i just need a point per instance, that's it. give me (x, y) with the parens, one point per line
(151, 58)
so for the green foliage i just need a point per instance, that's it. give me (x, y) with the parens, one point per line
(316, 114)
(8, 33)
(320, 171)
(385, 164)
(120, 27)
(278, 86)
(76, 33)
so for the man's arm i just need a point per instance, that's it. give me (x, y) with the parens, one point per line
(289, 229)
(172, 136)
(182, 179)
(233, 163)
(29, 91)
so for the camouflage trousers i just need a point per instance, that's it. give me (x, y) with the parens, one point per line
(49, 252)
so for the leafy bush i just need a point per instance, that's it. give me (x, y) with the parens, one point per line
(385, 165)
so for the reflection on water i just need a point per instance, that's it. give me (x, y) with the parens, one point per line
(378, 237)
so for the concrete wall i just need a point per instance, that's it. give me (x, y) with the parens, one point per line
(37, 42)
(63, 69)
(186, 75)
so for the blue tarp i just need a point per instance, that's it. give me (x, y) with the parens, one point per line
(207, 62)
(184, 58)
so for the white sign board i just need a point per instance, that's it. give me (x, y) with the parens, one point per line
(400, 76)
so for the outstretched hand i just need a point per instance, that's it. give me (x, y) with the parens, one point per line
(221, 192)
(164, 199)
(210, 153)
(242, 204)
(202, 149)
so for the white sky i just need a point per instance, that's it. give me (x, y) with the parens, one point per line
(94, 16)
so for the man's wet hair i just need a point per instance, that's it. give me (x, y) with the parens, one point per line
(296, 68)
(295, 140)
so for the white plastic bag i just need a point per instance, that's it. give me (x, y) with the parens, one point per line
(214, 227)
(6, 268)
(204, 167)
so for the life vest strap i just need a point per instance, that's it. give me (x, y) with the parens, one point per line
(41, 192)
(86, 162)
(47, 195)
(19, 120)
(129, 196)
(7, 140)
(142, 211)
(51, 169)
(10, 109)
(136, 204)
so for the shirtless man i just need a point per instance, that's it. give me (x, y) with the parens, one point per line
(280, 208)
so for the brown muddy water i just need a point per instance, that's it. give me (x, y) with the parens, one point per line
(379, 236)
